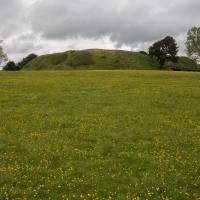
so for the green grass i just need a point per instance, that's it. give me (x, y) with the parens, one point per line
(100, 135)
(96, 59)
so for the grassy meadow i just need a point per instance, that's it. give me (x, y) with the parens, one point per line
(99, 135)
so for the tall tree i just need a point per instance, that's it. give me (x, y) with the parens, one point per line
(3, 56)
(164, 50)
(193, 44)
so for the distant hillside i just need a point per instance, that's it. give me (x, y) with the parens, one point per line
(99, 59)
(95, 59)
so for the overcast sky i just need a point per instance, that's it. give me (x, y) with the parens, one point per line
(47, 26)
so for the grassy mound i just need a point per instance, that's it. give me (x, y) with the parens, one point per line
(93, 59)
(187, 63)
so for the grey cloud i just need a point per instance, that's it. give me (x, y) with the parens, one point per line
(21, 44)
(72, 19)
(43, 26)
(25, 47)
(12, 17)
(127, 22)
(27, 36)
(8, 10)
(19, 47)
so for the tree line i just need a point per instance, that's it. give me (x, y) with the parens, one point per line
(164, 50)
(11, 66)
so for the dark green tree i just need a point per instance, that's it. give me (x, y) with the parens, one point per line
(10, 66)
(193, 44)
(3, 56)
(26, 60)
(164, 50)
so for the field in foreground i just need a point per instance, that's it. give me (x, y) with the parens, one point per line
(100, 135)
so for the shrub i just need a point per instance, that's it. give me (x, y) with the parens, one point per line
(10, 66)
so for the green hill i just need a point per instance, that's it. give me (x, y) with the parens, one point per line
(96, 59)
(99, 59)
(187, 63)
